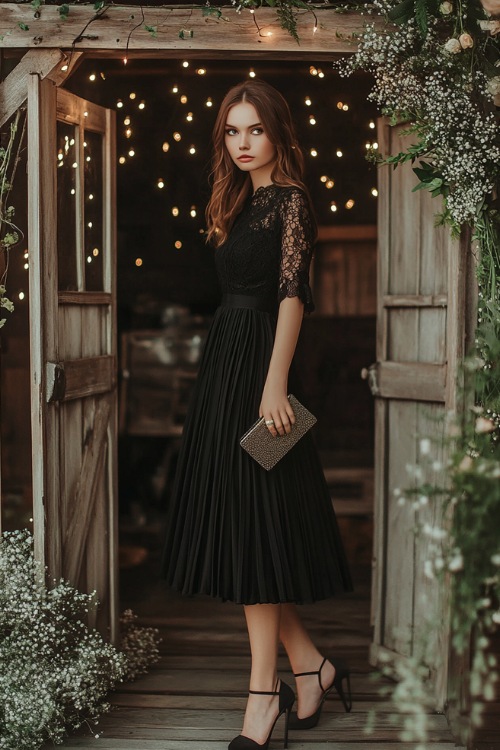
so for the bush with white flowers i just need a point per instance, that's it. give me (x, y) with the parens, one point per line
(54, 671)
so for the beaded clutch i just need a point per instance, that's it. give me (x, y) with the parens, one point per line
(266, 449)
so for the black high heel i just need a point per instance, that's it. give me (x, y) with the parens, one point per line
(341, 674)
(287, 698)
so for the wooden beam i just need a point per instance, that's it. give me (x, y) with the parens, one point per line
(232, 31)
(47, 63)
(415, 300)
(419, 381)
(85, 298)
(78, 378)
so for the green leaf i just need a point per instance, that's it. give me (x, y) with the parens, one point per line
(152, 30)
(99, 5)
(209, 11)
(402, 12)
(36, 4)
(421, 16)
(63, 11)
(23, 26)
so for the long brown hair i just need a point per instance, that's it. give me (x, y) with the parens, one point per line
(231, 186)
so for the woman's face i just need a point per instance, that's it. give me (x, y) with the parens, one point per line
(247, 144)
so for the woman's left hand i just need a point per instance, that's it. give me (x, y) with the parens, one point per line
(276, 406)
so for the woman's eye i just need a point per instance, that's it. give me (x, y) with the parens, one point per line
(230, 131)
(259, 131)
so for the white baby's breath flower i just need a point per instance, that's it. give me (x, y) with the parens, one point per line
(495, 559)
(428, 569)
(456, 563)
(425, 446)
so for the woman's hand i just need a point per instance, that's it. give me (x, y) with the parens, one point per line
(276, 406)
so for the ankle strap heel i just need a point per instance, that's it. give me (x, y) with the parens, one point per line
(341, 674)
(286, 700)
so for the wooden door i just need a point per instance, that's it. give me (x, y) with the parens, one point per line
(420, 338)
(71, 186)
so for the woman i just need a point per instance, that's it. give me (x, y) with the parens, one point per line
(267, 540)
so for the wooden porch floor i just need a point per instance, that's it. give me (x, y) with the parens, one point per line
(194, 698)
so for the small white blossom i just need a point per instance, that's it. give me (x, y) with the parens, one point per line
(456, 563)
(446, 8)
(425, 446)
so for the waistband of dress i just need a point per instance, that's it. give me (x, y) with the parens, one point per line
(248, 301)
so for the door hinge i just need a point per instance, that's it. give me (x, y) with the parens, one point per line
(370, 374)
(56, 382)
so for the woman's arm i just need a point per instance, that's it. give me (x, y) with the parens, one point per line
(274, 403)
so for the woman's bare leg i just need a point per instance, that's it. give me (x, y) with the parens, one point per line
(263, 622)
(304, 657)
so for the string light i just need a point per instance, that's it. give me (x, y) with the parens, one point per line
(371, 124)
(313, 152)
(349, 203)
(192, 150)
(131, 152)
(320, 73)
(185, 64)
(201, 71)
(313, 71)
(21, 295)
(184, 99)
(166, 146)
(189, 117)
(193, 211)
(312, 120)
(126, 120)
(142, 104)
(177, 136)
(95, 252)
(345, 107)
(178, 244)
(209, 102)
(91, 197)
(175, 89)
(323, 178)
(329, 184)
(89, 259)
(132, 95)
(175, 211)
(252, 73)
(138, 262)
(125, 60)
(374, 192)
(307, 101)
(92, 77)
(160, 183)
(333, 206)
(119, 104)
(122, 160)
(339, 153)
(26, 266)
(340, 105)
(128, 132)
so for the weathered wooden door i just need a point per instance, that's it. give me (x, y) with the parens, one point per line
(420, 337)
(71, 184)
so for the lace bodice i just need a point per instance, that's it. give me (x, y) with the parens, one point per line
(270, 246)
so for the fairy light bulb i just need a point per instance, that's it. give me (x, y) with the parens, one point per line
(313, 152)
(201, 71)
(192, 150)
(178, 244)
(252, 73)
(126, 120)
(177, 136)
(323, 178)
(95, 252)
(350, 203)
(209, 102)
(320, 73)
(189, 117)
(131, 152)
(371, 125)
(92, 77)
(333, 206)
(193, 211)
(138, 262)
(184, 99)
(132, 95)
(345, 107)
(339, 153)
(329, 184)
(122, 160)
(185, 64)
(374, 192)
(175, 89)
(340, 105)
(119, 104)
(160, 183)
(21, 295)
(313, 71)
(166, 146)
(307, 101)
(312, 120)
(142, 104)
(175, 211)
(128, 132)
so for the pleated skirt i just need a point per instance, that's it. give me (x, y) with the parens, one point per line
(234, 530)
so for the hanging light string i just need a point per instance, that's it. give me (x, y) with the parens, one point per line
(125, 59)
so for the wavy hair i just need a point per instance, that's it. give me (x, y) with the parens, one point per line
(230, 185)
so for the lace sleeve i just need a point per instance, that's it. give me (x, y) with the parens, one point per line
(296, 249)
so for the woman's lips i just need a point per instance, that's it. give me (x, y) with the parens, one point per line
(245, 158)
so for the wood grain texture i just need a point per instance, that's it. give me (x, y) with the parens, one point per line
(232, 31)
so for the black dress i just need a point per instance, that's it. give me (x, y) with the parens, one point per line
(235, 530)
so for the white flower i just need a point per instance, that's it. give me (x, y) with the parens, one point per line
(496, 617)
(495, 559)
(492, 26)
(425, 446)
(446, 8)
(453, 45)
(466, 464)
(493, 86)
(466, 40)
(428, 569)
(456, 563)
(423, 500)
(484, 425)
